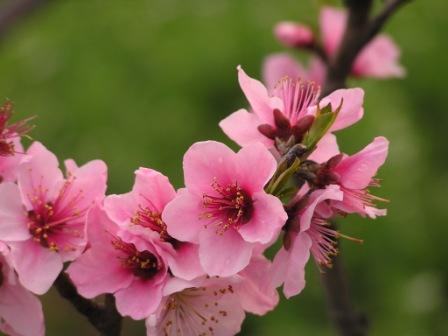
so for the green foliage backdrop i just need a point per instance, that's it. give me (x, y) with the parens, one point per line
(136, 82)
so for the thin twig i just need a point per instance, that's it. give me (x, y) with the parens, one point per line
(359, 32)
(377, 23)
(104, 318)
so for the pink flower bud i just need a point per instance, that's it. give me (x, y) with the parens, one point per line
(292, 34)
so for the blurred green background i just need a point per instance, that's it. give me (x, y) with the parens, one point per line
(136, 82)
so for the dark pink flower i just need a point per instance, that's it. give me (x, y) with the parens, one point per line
(143, 207)
(224, 208)
(117, 261)
(200, 307)
(43, 217)
(20, 311)
(287, 110)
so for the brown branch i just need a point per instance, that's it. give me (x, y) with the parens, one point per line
(359, 32)
(347, 319)
(104, 318)
(14, 10)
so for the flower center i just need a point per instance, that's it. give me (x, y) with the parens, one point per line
(6, 148)
(40, 229)
(231, 207)
(152, 220)
(143, 264)
(297, 95)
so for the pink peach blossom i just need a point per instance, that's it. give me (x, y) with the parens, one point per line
(380, 58)
(143, 207)
(43, 216)
(224, 208)
(309, 234)
(200, 307)
(20, 311)
(293, 34)
(119, 262)
(287, 110)
(356, 174)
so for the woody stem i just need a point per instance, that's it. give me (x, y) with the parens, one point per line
(360, 30)
(104, 318)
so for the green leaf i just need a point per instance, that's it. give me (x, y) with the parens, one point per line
(325, 117)
(277, 184)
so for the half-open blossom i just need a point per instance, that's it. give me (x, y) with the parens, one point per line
(43, 217)
(293, 34)
(208, 307)
(379, 58)
(287, 110)
(20, 311)
(355, 174)
(117, 261)
(10, 132)
(224, 207)
(143, 207)
(309, 232)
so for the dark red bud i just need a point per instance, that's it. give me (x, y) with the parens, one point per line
(302, 126)
(280, 120)
(334, 161)
(267, 130)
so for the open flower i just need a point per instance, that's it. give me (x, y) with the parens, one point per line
(20, 311)
(117, 261)
(43, 217)
(355, 174)
(287, 110)
(142, 209)
(201, 307)
(308, 233)
(224, 208)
